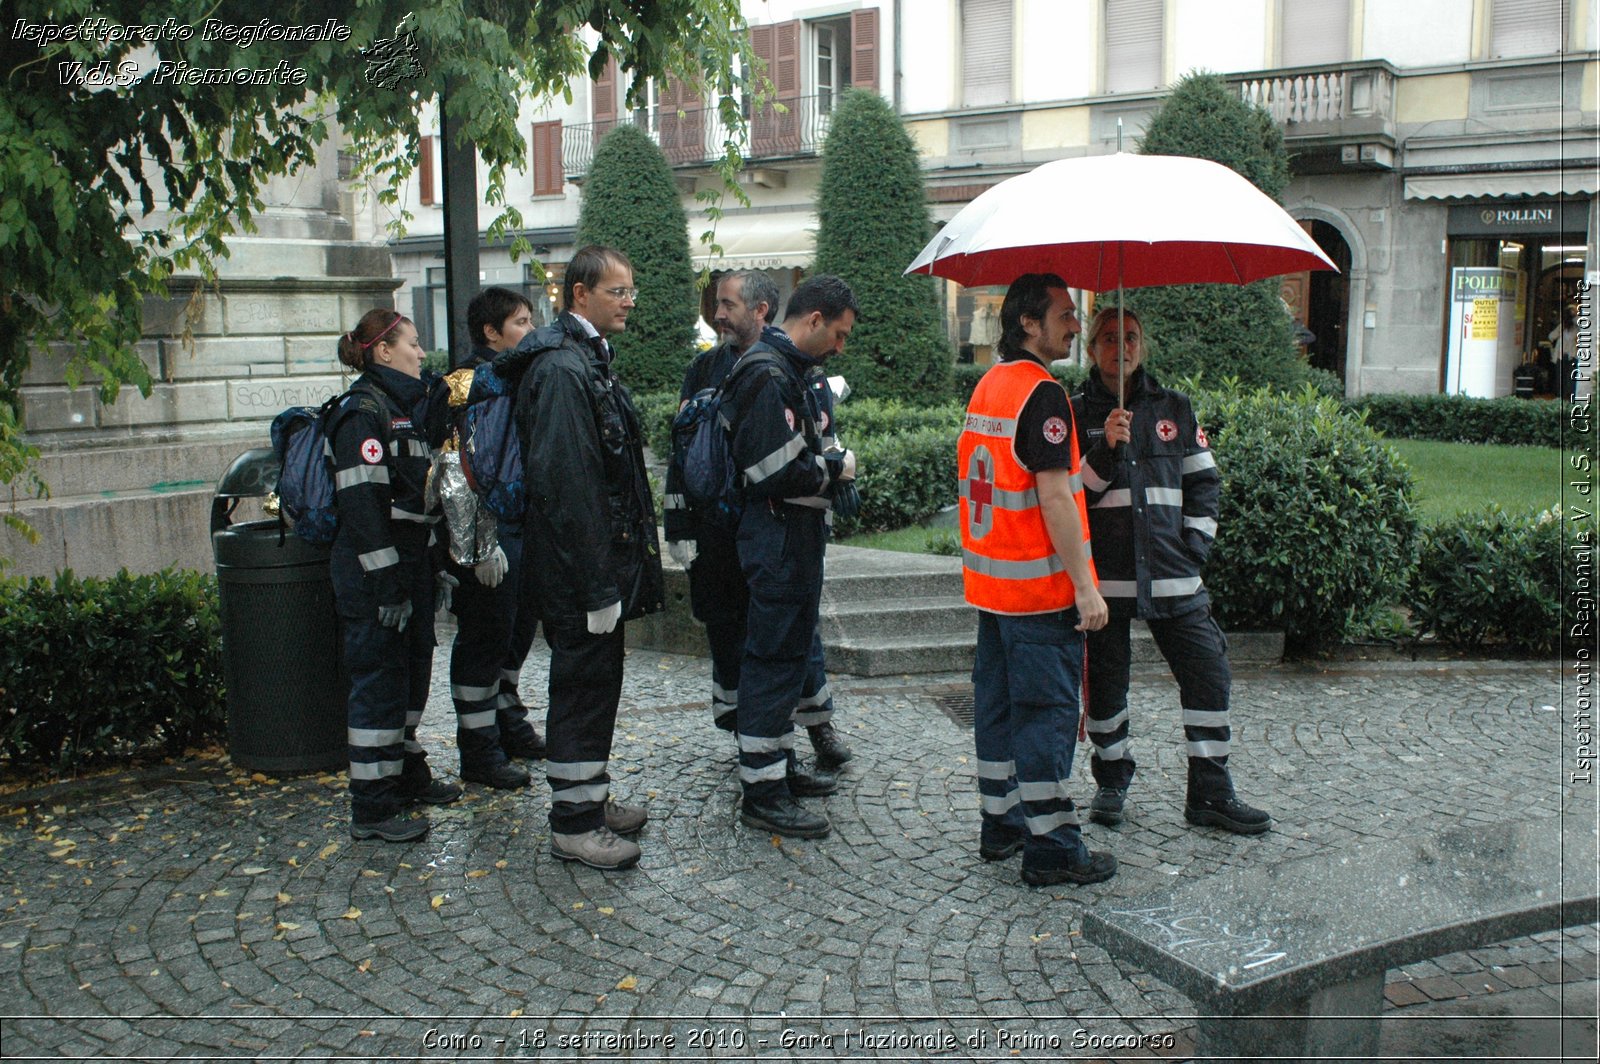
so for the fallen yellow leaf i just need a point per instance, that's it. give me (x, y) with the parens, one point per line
(477, 873)
(351, 913)
(501, 863)
(438, 900)
(328, 851)
(513, 1014)
(284, 925)
(285, 899)
(627, 983)
(606, 910)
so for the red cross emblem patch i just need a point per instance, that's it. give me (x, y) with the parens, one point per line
(980, 492)
(1055, 430)
(788, 415)
(371, 452)
(822, 420)
(1166, 430)
(1200, 436)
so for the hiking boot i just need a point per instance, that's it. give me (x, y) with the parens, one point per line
(600, 848)
(434, 792)
(1106, 808)
(813, 784)
(1229, 814)
(625, 819)
(727, 721)
(1099, 866)
(829, 746)
(398, 828)
(529, 746)
(503, 776)
(998, 842)
(783, 815)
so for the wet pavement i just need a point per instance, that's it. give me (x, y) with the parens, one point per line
(207, 912)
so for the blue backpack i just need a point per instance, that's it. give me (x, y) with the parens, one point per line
(305, 484)
(491, 453)
(701, 452)
(305, 481)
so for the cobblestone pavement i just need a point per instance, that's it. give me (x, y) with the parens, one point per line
(205, 912)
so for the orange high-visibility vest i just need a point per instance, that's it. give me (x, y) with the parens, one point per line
(1008, 563)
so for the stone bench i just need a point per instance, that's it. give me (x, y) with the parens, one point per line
(1289, 960)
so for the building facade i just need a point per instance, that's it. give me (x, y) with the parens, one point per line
(1430, 139)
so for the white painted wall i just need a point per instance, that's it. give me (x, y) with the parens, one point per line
(1221, 36)
(1056, 48)
(1417, 32)
(929, 30)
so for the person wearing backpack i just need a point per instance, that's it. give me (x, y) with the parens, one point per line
(493, 635)
(789, 480)
(747, 301)
(591, 559)
(379, 439)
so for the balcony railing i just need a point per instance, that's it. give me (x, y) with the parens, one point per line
(1340, 99)
(696, 138)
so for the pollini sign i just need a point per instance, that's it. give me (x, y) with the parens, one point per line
(1518, 217)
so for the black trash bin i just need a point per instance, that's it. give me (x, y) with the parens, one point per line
(280, 636)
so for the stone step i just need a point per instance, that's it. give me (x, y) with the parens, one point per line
(925, 615)
(85, 469)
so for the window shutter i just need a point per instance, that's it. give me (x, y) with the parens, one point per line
(1133, 44)
(1314, 32)
(548, 177)
(985, 52)
(425, 170)
(604, 98)
(763, 123)
(1524, 27)
(680, 137)
(864, 49)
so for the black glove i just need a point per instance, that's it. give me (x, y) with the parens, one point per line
(846, 499)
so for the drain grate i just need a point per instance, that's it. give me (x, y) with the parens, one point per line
(958, 707)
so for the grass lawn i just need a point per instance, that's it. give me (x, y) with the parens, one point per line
(1450, 478)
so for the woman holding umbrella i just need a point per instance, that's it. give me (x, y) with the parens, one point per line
(1152, 489)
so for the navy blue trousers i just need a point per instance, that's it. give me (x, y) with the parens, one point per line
(1197, 653)
(493, 636)
(1025, 724)
(389, 672)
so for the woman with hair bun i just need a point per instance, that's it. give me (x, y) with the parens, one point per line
(380, 437)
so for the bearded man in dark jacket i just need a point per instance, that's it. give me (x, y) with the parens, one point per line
(1152, 487)
(591, 561)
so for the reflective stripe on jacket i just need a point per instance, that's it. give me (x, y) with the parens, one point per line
(1009, 564)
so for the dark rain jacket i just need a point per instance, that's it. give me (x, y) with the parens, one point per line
(1152, 502)
(777, 422)
(590, 530)
(380, 438)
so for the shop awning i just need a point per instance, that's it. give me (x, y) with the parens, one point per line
(1577, 181)
(757, 241)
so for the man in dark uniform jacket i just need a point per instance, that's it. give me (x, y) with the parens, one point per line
(592, 557)
(788, 482)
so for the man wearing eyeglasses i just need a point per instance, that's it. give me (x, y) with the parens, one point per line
(590, 543)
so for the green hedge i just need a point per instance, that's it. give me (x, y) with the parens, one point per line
(1497, 576)
(967, 377)
(1463, 419)
(1316, 526)
(656, 411)
(95, 668)
(904, 478)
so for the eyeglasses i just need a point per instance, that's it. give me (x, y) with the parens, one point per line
(621, 293)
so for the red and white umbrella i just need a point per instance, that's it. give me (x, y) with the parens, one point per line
(1120, 221)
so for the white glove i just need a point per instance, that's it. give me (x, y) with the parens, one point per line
(604, 622)
(395, 616)
(683, 551)
(848, 472)
(444, 587)
(492, 569)
(840, 390)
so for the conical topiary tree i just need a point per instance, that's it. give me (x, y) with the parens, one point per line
(1219, 330)
(873, 219)
(631, 202)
